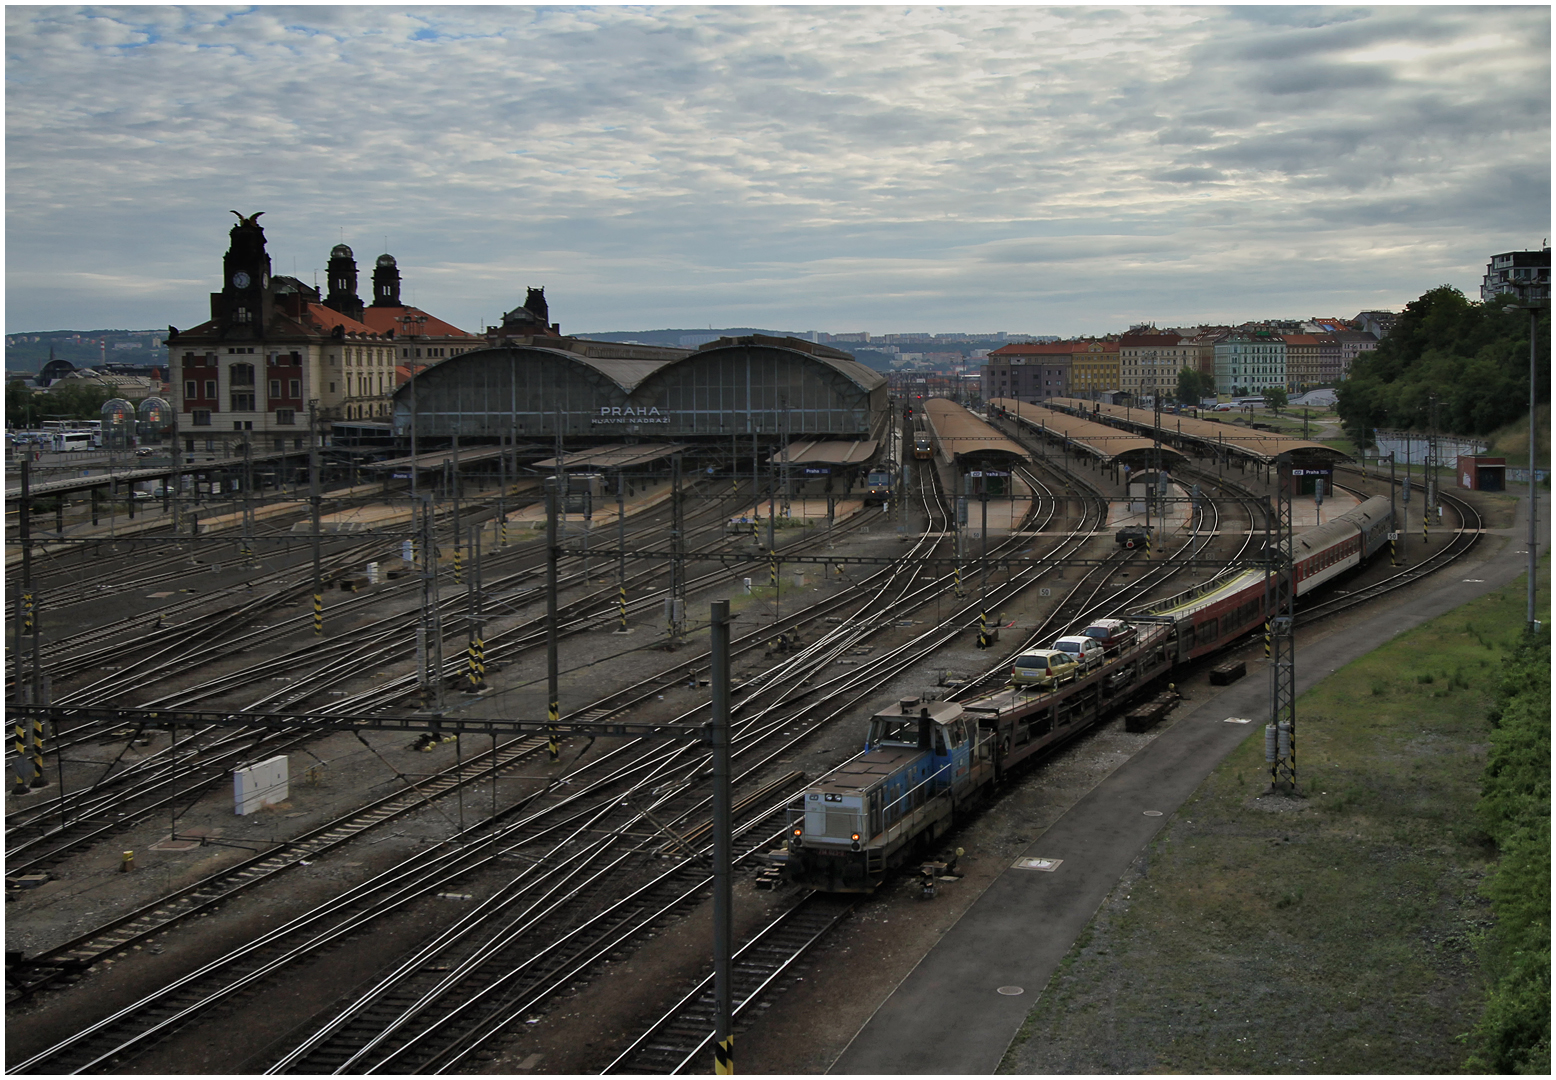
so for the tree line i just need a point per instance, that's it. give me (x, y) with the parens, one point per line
(1473, 357)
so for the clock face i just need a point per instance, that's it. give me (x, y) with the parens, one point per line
(240, 280)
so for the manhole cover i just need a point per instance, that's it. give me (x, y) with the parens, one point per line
(1153, 813)
(1034, 863)
(1011, 991)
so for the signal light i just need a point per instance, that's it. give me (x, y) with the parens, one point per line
(855, 838)
(798, 830)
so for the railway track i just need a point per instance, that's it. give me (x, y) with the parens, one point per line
(666, 807)
(681, 1040)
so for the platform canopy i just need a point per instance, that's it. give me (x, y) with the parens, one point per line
(1205, 436)
(964, 439)
(1105, 443)
(826, 452)
(614, 456)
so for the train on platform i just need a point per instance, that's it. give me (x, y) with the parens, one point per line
(877, 487)
(927, 764)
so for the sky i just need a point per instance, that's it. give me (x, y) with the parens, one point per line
(1030, 169)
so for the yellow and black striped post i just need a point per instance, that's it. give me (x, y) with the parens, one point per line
(1266, 637)
(956, 580)
(772, 573)
(472, 668)
(1148, 543)
(724, 1057)
(458, 568)
(480, 658)
(318, 614)
(553, 743)
(984, 641)
(621, 607)
(19, 761)
(38, 779)
(1424, 520)
(26, 612)
(505, 530)
(756, 537)
(1393, 551)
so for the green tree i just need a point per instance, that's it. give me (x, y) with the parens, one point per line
(21, 405)
(1275, 398)
(75, 399)
(1473, 357)
(1194, 385)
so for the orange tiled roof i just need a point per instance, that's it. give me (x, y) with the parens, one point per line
(329, 319)
(385, 319)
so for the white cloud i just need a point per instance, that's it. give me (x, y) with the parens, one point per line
(794, 167)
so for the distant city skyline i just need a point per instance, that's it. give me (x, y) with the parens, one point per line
(1041, 171)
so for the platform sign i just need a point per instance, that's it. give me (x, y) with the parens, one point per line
(992, 472)
(817, 470)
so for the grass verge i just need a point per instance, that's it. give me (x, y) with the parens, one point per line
(1336, 933)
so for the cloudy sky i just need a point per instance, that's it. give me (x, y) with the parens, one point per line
(1029, 169)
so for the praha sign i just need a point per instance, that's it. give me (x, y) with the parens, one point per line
(630, 414)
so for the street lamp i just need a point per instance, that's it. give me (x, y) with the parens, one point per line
(1534, 322)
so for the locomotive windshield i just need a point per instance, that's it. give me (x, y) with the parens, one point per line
(895, 732)
(880, 479)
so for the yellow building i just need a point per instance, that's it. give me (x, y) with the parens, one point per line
(1093, 367)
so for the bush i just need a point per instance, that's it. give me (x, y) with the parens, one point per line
(1514, 1033)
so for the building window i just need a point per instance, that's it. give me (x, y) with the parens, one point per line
(237, 425)
(275, 388)
(210, 389)
(296, 390)
(242, 401)
(200, 418)
(332, 388)
(285, 417)
(297, 443)
(191, 389)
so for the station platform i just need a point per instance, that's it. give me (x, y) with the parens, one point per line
(806, 511)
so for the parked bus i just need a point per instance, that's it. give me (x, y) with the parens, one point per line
(72, 440)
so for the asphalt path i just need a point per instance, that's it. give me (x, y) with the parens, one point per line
(959, 1009)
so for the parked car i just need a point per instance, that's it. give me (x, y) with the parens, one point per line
(144, 451)
(1111, 634)
(1043, 667)
(1088, 652)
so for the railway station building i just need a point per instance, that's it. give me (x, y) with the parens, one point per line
(725, 401)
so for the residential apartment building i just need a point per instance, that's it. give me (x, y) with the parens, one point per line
(1303, 367)
(1094, 367)
(1352, 344)
(1524, 274)
(1249, 362)
(1028, 372)
(1149, 363)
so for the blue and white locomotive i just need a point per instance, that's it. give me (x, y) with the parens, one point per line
(923, 760)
